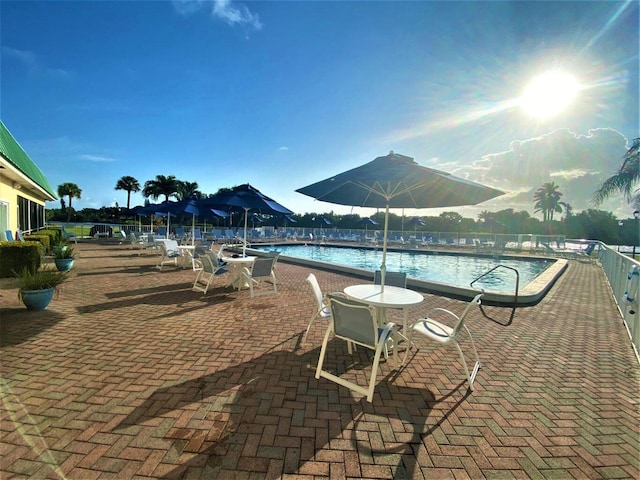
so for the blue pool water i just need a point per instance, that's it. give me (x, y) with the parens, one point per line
(452, 269)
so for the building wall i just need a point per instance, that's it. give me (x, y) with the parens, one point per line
(9, 213)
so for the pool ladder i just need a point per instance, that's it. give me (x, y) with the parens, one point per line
(515, 294)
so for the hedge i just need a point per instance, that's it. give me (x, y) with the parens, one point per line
(14, 256)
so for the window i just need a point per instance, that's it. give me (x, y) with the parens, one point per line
(30, 215)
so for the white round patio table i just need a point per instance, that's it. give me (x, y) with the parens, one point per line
(391, 297)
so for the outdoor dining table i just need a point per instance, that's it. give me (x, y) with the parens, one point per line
(390, 297)
(237, 264)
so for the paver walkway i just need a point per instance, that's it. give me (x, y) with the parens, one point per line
(130, 374)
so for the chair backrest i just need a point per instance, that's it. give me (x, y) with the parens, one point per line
(19, 235)
(263, 266)
(171, 245)
(9, 235)
(162, 231)
(353, 321)
(207, 263)
(394, 279)
(590, 248)
(313, 281)
(458, 326)
(197, 234)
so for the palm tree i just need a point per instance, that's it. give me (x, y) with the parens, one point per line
(167, 186)
(186, 190)
(70, 190)
(129, 184)
(568, 209)
(547, 200)
(624, 180)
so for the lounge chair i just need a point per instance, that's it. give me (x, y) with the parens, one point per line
(68, 235)
(9, 235)
(19, 235)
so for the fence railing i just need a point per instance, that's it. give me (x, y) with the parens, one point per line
(617, 267)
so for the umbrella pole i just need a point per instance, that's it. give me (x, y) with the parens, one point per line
(383, 267)
(193, 230)
(244, 245)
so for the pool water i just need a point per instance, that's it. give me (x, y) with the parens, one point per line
(452, 269)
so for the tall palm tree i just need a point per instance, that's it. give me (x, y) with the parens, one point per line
(129, 184)
(167, 186)
(186, 190)
(547, 200)
(70, 190)
(624, 180)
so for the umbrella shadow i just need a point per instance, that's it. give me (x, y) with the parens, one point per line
(232, 397)
(137, 270)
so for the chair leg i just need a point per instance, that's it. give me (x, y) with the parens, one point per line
(313, 319)
(323, 351)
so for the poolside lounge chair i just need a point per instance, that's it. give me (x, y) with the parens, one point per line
(208, 271)
(68, 235)
(19, 235)
(430, 329)
(586, 254)
(356, 323)
(9, 235)
(261, 270)
(322, 310)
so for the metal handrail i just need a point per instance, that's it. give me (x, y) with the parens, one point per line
(515, 298)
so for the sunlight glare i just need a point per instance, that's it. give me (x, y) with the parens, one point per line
(549, 94)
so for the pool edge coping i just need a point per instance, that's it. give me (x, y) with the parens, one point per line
(530, 295)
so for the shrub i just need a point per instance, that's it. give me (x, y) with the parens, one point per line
(45, 240)
(14, 256)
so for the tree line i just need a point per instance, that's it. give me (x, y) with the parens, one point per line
(558, 217)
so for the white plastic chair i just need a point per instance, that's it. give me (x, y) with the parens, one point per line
(170, 252)
(322, 310)
(207, 273)
(261, 270)
(356, 323)
(394, 279)
(430, 329)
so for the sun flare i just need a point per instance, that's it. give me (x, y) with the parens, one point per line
(549, 94)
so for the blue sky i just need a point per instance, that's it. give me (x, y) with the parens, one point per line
(283, 94)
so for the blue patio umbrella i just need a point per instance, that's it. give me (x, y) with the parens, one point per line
(397, 181)
(415, 221)
(366, 221)
(248, 199)
(160, 210)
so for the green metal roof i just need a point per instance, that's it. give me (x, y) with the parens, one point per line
(16, 156)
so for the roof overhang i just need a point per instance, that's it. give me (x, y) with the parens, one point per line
(22, 182)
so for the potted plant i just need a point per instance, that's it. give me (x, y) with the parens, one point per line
(36, 287)
(63, 257)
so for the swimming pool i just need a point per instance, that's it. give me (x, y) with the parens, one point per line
(437, 271)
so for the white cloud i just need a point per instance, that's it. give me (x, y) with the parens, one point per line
(232, 13)
(33, 64)
(96, 158)
(577, 163)
(283, 149)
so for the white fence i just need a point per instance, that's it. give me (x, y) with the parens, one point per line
(617, 267)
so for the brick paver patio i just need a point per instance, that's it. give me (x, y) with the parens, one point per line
(130, 374)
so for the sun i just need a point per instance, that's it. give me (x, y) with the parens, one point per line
(549, 94)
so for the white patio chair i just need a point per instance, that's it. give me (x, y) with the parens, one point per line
(356, 323)
(394, 279)
(322, 310)
(169, 251)
(207, 273)
(430, 329)
(261, 270)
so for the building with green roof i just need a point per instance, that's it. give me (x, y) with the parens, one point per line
(23, 187)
